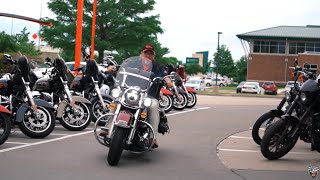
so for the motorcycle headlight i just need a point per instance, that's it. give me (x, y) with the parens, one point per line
(132, 96)
(303, 97)
(287, 95)
(147, 102)
(115, 93)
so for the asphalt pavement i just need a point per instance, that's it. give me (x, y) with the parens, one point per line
(189, 152)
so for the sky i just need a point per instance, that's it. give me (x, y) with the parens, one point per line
(192, 26)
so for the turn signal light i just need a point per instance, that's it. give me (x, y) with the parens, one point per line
(112, 106)
(144, 115)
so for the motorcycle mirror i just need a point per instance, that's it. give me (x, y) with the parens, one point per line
(296, 62)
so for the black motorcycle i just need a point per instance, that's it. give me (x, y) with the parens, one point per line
(73, 112)
(34, 116)
(265, 120)
(301, 119)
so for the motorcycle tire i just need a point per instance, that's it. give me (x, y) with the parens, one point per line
(181, 105)
(192, 100)
(265, 118)
(85, 109)
(117, 145)
(169, 107)
(5, 125)
(26, 125)
(97, 111)
(277, 134)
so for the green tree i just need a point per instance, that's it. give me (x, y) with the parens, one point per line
(121, 25)
(167, 60)
(23, 44)
(241, 67)
(7, 43)
(192, 68)
(223, 62)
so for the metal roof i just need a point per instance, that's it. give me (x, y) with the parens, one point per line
(309, 32)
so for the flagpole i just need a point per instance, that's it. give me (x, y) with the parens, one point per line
(39, 42)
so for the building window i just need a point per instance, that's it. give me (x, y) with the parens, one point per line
(301, 47)
(274, 47)
(313, 68)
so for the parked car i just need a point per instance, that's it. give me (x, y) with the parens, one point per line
(251, 87)
(240, 85)
(289, 85)
(220, 81)
(70, 66)
(195, 84)
(270, 87)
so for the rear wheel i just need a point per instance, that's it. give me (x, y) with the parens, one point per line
(5, 127)
(277, 141)
(117, 145)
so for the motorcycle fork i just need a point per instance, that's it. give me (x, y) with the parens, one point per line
(116, 112)
(185, 89)
(133, 129)
(67, 91)
(29, 95)
(96, 87)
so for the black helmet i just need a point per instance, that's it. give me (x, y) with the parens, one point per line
(23, 65)
(92, 68)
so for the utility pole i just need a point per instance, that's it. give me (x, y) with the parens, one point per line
(218, 58)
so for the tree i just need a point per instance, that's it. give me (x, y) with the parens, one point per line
(120, 25)
(241, 67)
(192, 68)
(7, 43)
(23, 44)
(223, 62)
(167, 60)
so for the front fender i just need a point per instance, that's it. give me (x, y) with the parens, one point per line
(4, 110)
(181, 91)
(64, 103)
(190, 90)
(279, 113)
(24, 107)
(166, 91)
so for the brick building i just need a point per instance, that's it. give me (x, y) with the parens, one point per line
(272, 51)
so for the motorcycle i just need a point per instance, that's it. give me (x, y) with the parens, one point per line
(191, 94)
(73, 112)
(88, 85)
(265, 120)
(180, 99)
(166, 100)
(282, 135)
(34, 116)
(126, 126)
(5, 124)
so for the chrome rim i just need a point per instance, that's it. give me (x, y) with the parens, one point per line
(39, 122)
(76, 118)
(98, 110)
(191, 99)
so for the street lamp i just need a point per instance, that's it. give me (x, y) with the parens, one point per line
(218, 56)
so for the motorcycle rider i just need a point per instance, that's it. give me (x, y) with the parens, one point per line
(147, 54)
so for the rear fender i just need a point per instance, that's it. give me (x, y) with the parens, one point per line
(190, 90)
(124, 119)
(166, 91)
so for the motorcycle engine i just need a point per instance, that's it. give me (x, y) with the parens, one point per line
(315, 132)
(143, 138)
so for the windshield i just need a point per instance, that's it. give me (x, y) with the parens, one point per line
(135, 71)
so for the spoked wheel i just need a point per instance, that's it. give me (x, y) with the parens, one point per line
(5, 128)
(192, 100)
(98, 110)
(180, 101)
(38, 125)
(166, 102)
(263, 123)
(277, 141)
(77, 118)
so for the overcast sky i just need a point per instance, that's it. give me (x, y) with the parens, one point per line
(191, 26)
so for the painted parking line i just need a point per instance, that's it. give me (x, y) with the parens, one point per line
(79, 134)
(11, 142)
(255, 151)
(58, 126)
(54, 134)
(240, 137)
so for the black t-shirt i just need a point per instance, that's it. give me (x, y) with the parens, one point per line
(158, 71)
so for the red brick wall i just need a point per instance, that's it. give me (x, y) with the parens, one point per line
(266, 67)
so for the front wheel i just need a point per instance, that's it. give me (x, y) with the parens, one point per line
(98, 110)
(38, 125)
(166, 102)
(117, 145)
(77, 118)
(180, 101)
(277, 141)
(5, 128)
(263, 123)
(192, 100)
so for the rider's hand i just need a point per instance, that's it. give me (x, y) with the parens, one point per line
(168, 82)
(111, 69)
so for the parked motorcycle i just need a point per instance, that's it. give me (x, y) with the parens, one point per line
(74, 112)
(265, 120)
(166, 100)
(5, 124)
(180, 98)
(282, 135)
(128, 129)
(34, 117)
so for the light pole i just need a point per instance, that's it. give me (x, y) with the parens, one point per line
(218, 58)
